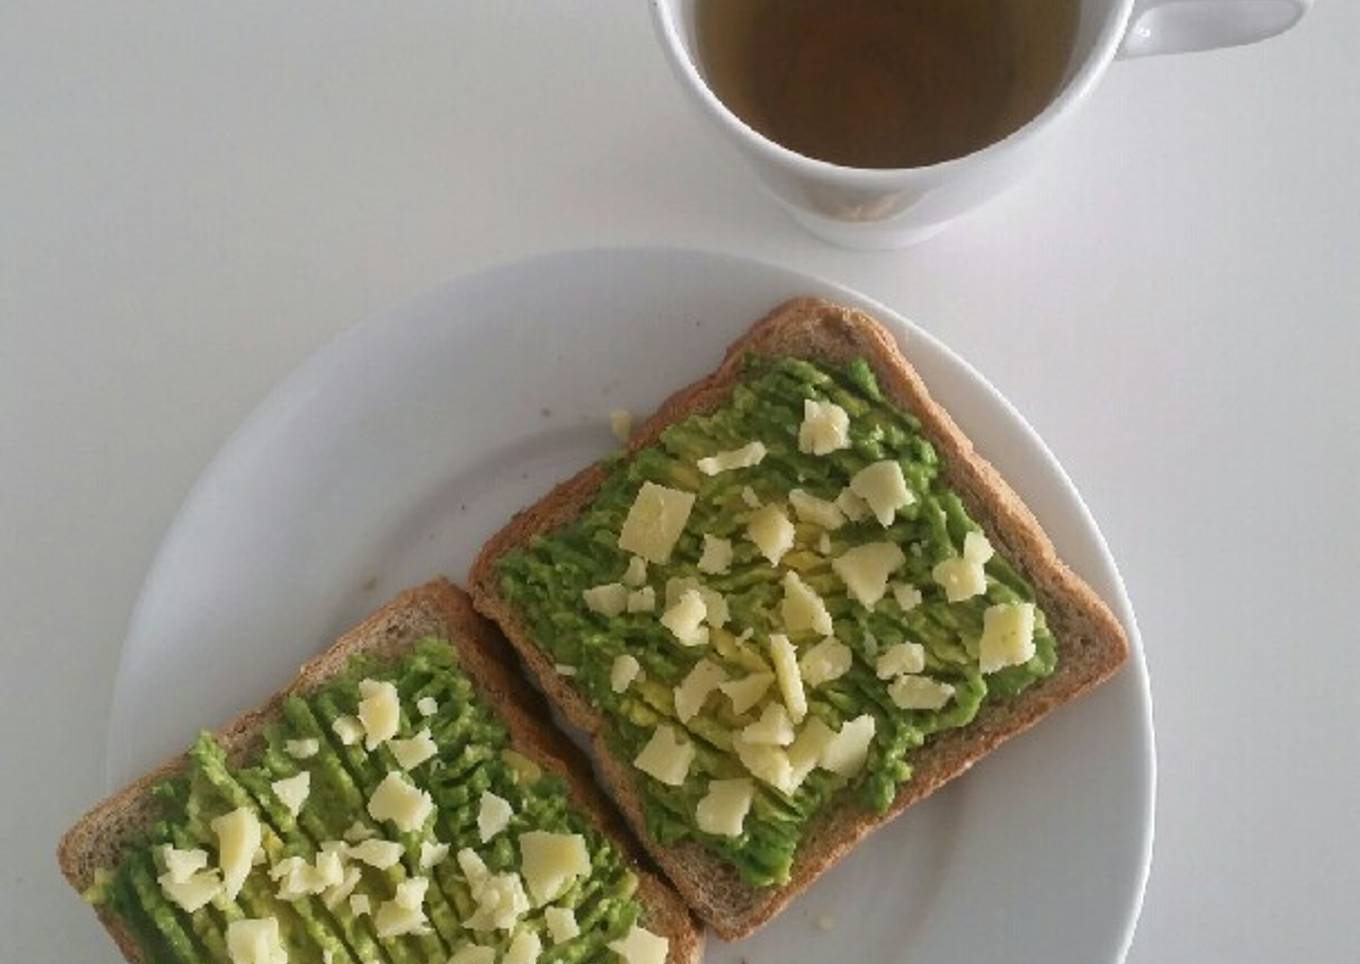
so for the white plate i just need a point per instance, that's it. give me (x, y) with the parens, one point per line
(398, 448)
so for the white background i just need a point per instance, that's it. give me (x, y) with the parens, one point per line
(195, 196)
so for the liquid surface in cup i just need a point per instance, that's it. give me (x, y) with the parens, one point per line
(885, 83)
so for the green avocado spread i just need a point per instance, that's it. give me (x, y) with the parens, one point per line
(902, 618)
(388, 820)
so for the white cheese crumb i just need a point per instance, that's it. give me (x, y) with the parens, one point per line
(976, 547)
(379, 711)
(410, 893)
(899, 659)
(561, 923)
(336, 894)
(715, 604)
(855, 508)
(806, 750)
(802, 609)
(292, 791)
(790, 679)
(194, 891)
(963, 576)
(641, 946)
(716, 558)
(636, 573)
(524, 949)
(908, 596)
(348, 729)
(919, 693)
(772, 532)
(960, 578)
(654, 522)
(743, 458)
(666, 757)
(180, 865)
(427, 706)
(398, 800)
(723, 809)
(817, 511)
(381, 854)
(849, 749)
(827, 661)
(769, 764)
(501, 902)
(865, 570)
(473, 869)
(825, 428)
(642, 600)
(300, 879)
(623, 672)
(493, 815)
(746, 693)
(550, 862)
(774, 728)
(683, 619)
(609, 599)
(403, 914)
(1007, 636)
(883, 488)
(238, 837)
(695, 688)
(411, 753)
(432, 853)
(255, 941)
(302, 749)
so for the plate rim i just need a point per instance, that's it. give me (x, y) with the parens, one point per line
(286, 386)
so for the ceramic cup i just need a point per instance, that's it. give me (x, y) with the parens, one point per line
(875, 209)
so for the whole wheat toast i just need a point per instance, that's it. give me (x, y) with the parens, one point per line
(435, 609)
(1091, 642)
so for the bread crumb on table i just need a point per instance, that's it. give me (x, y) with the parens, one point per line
(621, 423)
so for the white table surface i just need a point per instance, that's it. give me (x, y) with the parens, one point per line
(194, 196)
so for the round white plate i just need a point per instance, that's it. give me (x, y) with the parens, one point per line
(397, 449)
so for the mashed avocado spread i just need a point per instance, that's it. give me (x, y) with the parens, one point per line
(773, 606)
(384, 818)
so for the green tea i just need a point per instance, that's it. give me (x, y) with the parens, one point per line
(885, 83)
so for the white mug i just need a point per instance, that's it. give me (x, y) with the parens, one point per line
(874, 209)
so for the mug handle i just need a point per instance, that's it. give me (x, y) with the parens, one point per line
(1180, 26)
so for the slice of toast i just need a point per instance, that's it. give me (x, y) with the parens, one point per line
(1091, 642)
(434, 609)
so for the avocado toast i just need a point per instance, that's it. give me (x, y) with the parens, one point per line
(797, 603)
(401, 800)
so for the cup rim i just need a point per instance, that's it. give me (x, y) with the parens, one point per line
(1102, 52)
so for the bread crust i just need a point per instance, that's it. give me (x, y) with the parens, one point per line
(436, 608)
(1091, 642)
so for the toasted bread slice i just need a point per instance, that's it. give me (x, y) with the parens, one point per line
(434, 609)
(1091, 642)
